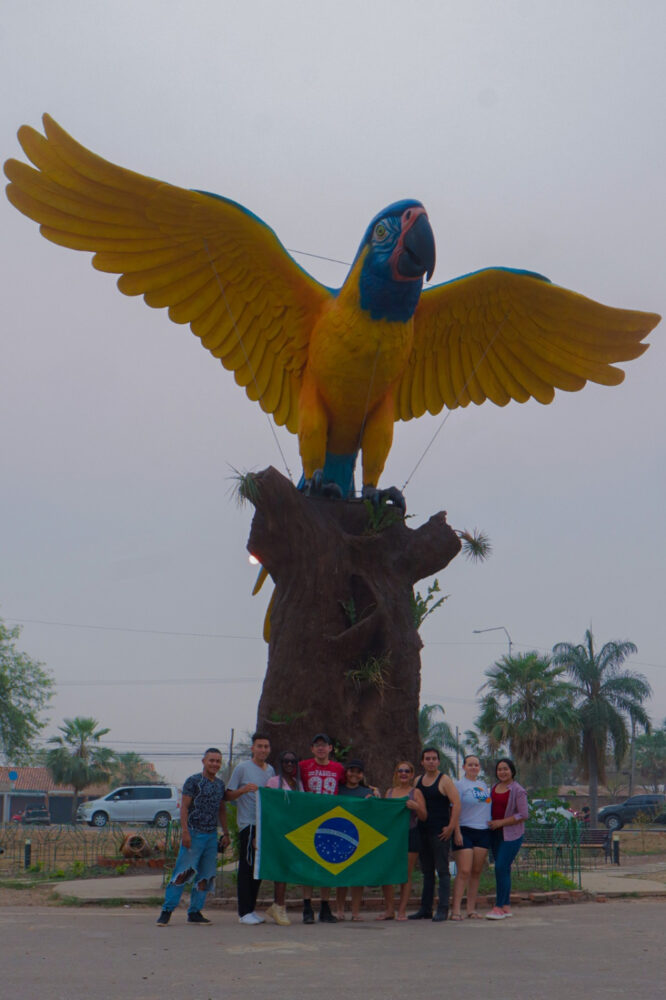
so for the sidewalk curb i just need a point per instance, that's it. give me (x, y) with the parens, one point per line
(519, 900)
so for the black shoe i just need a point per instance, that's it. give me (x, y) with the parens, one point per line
(325, 915)
(421, 915)
(197, 918)
(308, 915)
(164, 918)
(440, 915)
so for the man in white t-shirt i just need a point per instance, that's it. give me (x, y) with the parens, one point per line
(247, 777)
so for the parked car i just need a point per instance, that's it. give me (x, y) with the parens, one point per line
(36, 817)
(157, 804)
(614, 817)
(549, 811)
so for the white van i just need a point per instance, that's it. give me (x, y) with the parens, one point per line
(158, 804)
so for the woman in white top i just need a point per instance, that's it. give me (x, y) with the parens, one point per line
(471, 840)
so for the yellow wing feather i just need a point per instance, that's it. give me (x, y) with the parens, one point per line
(207, 260)
(502, 335)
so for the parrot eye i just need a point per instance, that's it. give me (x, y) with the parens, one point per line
(380, 231)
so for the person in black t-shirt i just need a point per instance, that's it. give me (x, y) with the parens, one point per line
(443, 804)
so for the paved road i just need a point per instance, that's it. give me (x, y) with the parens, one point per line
(586, 951)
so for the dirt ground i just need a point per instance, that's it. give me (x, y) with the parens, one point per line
(26, 897)
(586, 952)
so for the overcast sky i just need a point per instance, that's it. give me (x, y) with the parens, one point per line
(533, 133)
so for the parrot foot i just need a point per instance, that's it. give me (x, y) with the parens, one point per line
(392, 496)
(317, 487)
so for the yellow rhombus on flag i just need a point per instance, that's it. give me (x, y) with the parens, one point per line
(336, 845)
(311, 840)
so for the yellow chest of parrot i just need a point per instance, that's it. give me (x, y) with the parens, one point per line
(355, 360)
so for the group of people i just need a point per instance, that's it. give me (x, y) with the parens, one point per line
(467, 817)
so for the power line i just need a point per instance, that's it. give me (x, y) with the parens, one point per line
(159, 680)
(257, 638)
(319, 256)
(535, 646)
(142, 631)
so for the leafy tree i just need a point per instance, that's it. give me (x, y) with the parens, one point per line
(651, 757)
(77, 758)
(528, 706)
(132, 769)
(25, 691)
(434, 732)
(605, 697)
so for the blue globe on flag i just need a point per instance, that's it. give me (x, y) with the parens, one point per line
(336, 840)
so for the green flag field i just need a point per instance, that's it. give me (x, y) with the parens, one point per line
(326, 840)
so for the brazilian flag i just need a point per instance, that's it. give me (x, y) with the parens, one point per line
(325, 840)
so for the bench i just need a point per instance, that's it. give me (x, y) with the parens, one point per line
(559, 840)
(601, 840)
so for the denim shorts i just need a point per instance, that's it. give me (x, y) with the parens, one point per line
(472, 838)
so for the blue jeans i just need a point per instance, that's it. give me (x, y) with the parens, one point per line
(197, 864)
(504, 853)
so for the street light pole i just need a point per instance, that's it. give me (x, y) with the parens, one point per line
(496, 628)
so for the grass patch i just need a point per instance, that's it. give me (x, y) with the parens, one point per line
(12, 883)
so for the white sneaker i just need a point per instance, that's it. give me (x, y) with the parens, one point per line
(258, 919)
(250, 918)
(496, 914)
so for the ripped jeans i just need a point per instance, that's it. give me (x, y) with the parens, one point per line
(197, 864)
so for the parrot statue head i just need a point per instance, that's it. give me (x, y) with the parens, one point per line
(398, 248)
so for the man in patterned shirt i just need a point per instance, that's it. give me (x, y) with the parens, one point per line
(202, 807)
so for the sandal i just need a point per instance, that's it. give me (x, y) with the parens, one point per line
(385, 916)
(357, 920)
(456, 916)
(474, 916)
(401, 918)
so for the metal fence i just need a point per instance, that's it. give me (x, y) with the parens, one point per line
(562, 848)
(69, 850)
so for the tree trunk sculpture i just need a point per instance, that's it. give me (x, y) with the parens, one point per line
(344, 648)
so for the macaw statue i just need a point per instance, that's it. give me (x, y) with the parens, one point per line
(337, 366)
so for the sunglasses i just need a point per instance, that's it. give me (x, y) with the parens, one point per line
(289, 760)
(405, 770)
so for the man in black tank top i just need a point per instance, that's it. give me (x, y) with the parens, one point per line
(443, 805)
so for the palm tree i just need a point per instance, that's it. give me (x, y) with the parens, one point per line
(77, 758)
(132, 769)
(528, 706)
(435, 732)
(605, 696)
(486, 750)
(651, 756)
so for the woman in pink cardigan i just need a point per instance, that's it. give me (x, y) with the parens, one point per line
(509, 811)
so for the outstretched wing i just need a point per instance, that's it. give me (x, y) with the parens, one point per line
(501, 334)
(208, 260)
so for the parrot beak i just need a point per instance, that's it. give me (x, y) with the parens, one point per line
(417, 256)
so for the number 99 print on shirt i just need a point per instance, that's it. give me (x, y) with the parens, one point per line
(321, 779)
